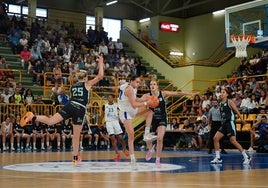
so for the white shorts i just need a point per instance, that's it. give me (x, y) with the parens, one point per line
(123, 115)
(113, 127)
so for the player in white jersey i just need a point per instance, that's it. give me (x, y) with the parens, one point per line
(111, 118)
(130, 107)
(7, 132)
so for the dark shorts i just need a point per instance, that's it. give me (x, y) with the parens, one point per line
(158, 122)
(74, 111)
(228, 129)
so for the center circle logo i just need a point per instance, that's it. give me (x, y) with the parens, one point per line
(92, 167)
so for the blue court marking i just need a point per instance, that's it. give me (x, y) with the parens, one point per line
(231, 161)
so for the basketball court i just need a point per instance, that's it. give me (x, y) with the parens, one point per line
(185, 169)
(179, 169)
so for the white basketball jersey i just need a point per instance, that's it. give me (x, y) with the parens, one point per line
(111, 112)
(123, 101)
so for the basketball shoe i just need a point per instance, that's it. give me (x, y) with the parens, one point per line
(150, 153)
(149, 137)
(216, 161)
(26, 118)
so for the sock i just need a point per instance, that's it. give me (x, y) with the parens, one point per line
(157, 159)
(81, 144)
(34, 144)
(58, 143)
(244, 154)
(132, 157)
(218, 154)
(47, 144)
(147, 130)
(42, 145)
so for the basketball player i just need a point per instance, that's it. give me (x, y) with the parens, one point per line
(75, 108)
(159, 122)
(130, 107)
(110, 114)
(228, 128)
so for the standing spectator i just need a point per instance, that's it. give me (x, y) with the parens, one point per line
(119, 49)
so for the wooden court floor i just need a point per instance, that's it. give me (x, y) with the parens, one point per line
(196, 171)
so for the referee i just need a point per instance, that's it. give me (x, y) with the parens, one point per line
(214, 122)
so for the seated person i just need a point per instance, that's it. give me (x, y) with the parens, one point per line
(203, 131)
(19, 134)
(188, 136)
(66, 132)
(52, 135)
(259, 132)
(104, 137)
(86, 134)
(38, 133)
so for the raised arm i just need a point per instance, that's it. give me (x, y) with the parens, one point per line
(100, 74)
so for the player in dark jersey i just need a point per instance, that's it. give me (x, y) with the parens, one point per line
(75, 108)
(228, 128)
(159, 122)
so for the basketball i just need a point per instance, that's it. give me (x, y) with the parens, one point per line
(155, 101)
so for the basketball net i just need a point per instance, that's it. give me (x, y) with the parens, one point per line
(240, 43)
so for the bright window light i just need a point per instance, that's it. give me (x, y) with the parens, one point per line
(112, 26)
(144, 20)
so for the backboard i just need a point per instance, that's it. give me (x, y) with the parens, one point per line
(247, 19)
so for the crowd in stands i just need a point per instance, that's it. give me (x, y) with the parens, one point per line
(248, 86)
(53, 53)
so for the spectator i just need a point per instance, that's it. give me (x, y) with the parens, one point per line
(25, 55)
(260, 134)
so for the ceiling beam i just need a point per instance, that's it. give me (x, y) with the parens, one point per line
(186, 7)
(137, 4)
(165, 5)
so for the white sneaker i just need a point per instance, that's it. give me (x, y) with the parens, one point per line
(149, 137)
(246, 160)
(158, 163)
(250, 150)
(133, 165)
(216, 161)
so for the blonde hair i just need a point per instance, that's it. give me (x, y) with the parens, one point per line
(82, 74)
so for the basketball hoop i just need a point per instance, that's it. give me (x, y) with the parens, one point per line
(241, 42)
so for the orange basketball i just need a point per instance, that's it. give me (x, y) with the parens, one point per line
(155, 101)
